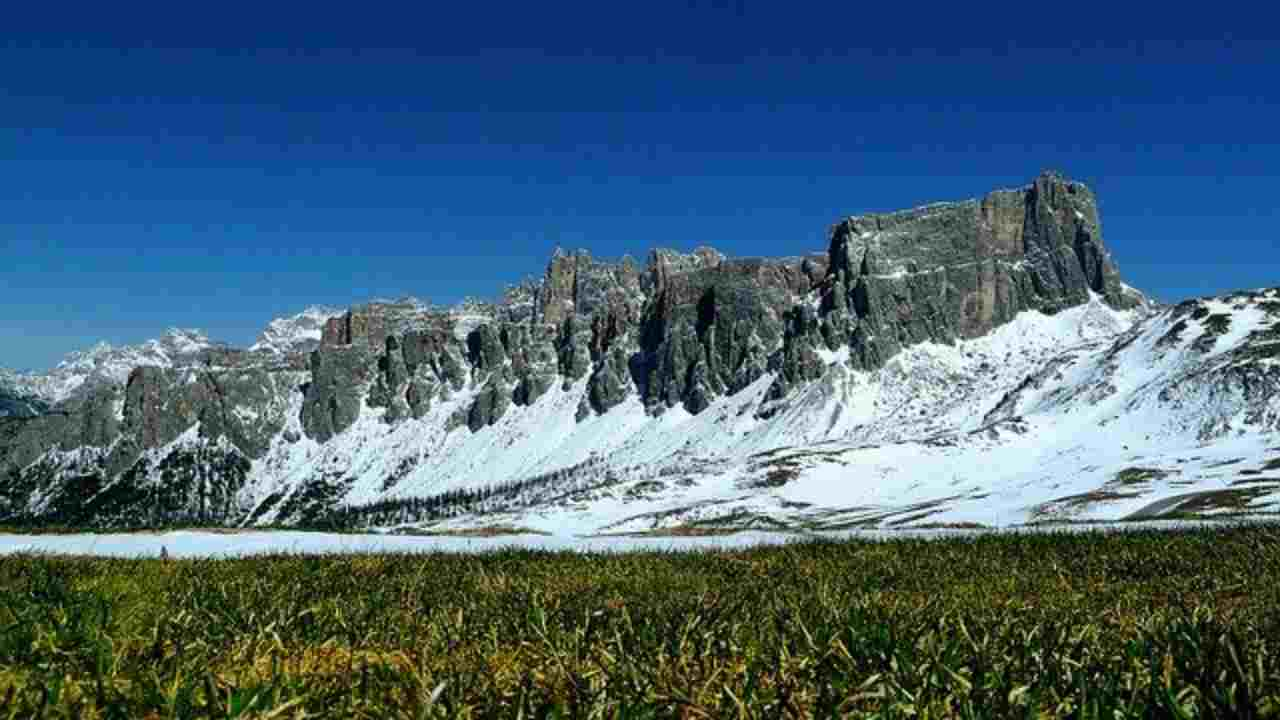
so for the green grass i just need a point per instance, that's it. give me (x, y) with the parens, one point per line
(1091, 625)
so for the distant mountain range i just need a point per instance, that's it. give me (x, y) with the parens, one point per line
(104, 363)
(295, 334)
(969, 363)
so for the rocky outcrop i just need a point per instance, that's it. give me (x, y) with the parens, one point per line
(711, 330)
(958, 270)
(371, 324)
(576, 284)
(89, 420)
(239, 405)
(336, 392)
(489, 406)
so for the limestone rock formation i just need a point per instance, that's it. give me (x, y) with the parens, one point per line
(958, 270)
(682, 331)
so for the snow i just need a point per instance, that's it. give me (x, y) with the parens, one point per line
(180, 342)
(834, 357)
(106, 363)
(1034, 421)
(214, 544)
(294, 333)
(865, 446)
(913, 442)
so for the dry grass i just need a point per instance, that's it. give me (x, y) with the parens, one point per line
(487, 531)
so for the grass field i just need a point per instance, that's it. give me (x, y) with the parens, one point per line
(1093, 625)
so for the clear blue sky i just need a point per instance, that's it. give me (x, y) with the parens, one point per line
(171, 168)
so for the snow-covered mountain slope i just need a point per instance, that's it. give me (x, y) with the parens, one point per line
(964, 363)
(105, 363)
(295, 333)
(1089, 414)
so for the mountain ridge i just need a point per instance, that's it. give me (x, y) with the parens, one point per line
(611, 396)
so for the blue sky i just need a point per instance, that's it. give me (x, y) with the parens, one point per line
(163, 168)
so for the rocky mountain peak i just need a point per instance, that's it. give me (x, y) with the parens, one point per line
(106, 364)
(294, 333)
(184, 341)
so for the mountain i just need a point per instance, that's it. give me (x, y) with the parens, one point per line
(15, 400)
(296, 333)
(105, 364)
(976, 362)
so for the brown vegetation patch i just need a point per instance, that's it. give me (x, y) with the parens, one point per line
(1234, 499)
(482, 532)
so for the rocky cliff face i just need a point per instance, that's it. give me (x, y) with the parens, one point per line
(959, 270)
(679, 333)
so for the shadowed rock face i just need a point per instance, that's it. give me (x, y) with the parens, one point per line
(681, 331)
(710, 330)
(339, 381)
(951, 271)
